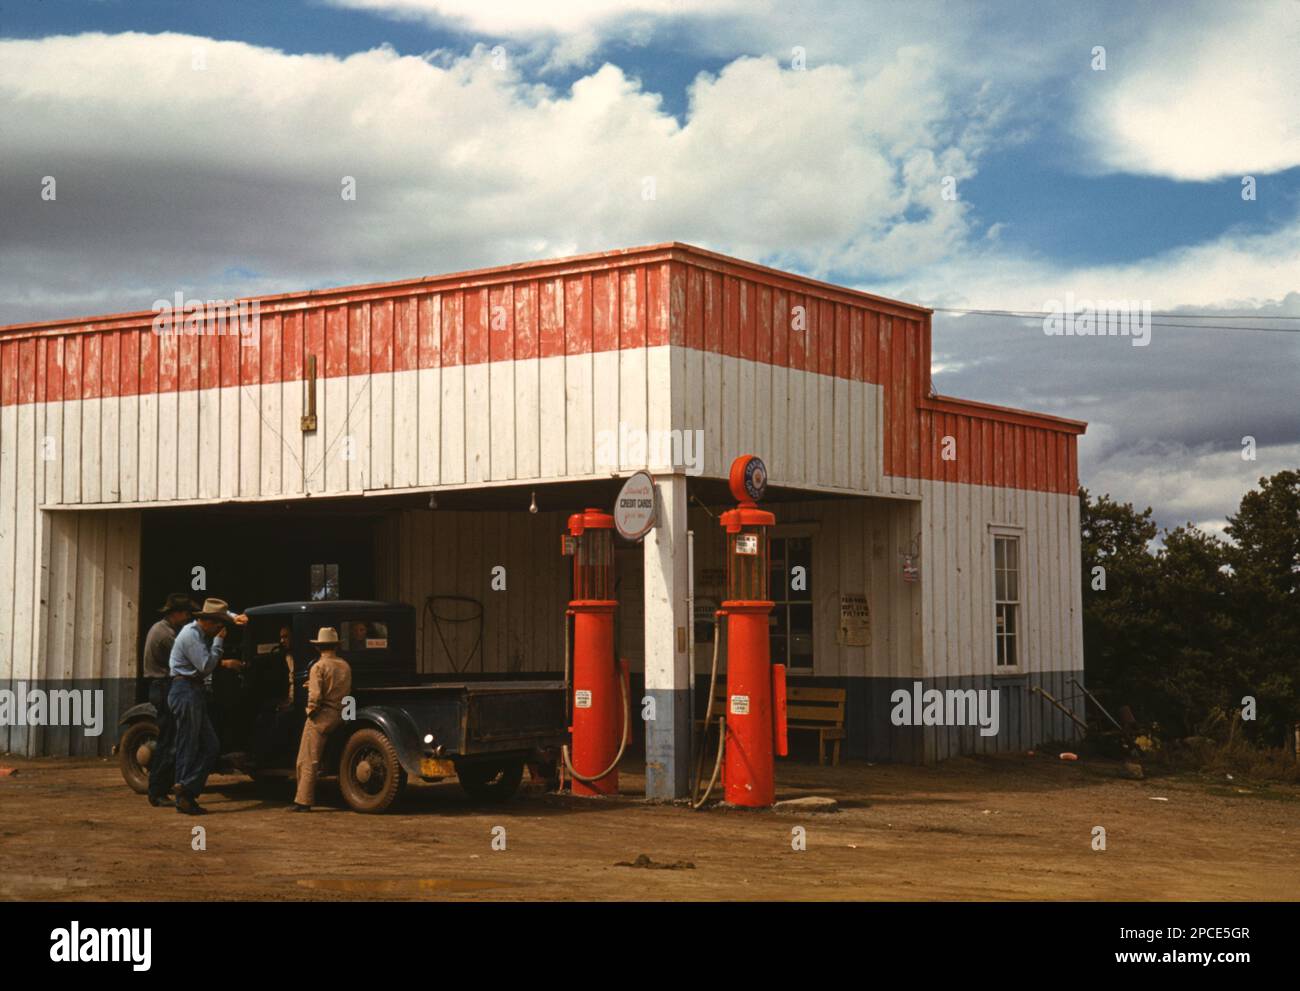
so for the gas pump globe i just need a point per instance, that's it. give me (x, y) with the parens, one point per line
(755, 715)
(599, 724)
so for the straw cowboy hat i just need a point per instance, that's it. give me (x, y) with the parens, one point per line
(178, 602)
(326, 636)
(213, 609)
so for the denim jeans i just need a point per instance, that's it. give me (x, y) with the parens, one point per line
(197, 747)
(162, 766)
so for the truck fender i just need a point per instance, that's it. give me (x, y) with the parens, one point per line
(136, 712)
(397, 725)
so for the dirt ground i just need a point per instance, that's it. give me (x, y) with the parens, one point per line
(970, 829)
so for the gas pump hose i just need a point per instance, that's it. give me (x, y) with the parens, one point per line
(627, 719)
(708, 714)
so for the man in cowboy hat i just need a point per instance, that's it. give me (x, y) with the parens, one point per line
(195, 655)
(157, 659)
(329, 682)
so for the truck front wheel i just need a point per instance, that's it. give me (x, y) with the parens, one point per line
(486, 781)
(370, 774)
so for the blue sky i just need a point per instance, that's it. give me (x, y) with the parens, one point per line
(1034, 188)
(200, 146)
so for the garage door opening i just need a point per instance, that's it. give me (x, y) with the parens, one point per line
(257, 555)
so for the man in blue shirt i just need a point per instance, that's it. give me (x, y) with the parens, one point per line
(195, 655)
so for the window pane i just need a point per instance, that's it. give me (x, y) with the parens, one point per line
(801, 652)
(1010, 641)
(1011, 619)
(801, 619)
(776, 546)
(776, 621)
(1000, 585)
(324, 582)
(800, 556)
(1012, 587)
(999, 553)
(778, 579)
(777, 645)
(1013, 553)
(361, 635)
(778, 583)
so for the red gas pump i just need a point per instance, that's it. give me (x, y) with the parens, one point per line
(755, 715)
(599, 729)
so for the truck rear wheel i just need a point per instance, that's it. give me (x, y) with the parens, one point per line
(485, 781)
(135, 750)
(370, 773)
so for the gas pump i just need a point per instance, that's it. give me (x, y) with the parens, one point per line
(597, 685)
(755, 717)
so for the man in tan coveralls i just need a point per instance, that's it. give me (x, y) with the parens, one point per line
(328, 682)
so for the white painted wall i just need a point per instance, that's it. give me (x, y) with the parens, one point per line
(957, 578)
(533, 419)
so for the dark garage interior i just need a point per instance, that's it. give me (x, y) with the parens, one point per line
(254, 555)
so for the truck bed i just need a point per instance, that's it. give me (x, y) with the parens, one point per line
(478, 717)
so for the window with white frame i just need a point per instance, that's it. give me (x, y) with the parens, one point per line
(790, 586)
(1006, 602)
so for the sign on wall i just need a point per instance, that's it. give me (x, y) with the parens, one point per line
(634, 509)
(855, 621)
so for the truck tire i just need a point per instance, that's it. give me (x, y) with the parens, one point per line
(485, 781)
(134, 751)
(370, 774)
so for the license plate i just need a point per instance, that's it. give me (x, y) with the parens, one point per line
(433, 767)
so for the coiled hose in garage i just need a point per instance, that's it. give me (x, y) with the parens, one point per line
(708, 714)
(627, 715)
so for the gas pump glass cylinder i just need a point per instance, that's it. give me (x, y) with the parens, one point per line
(593, 566)
(747, 565)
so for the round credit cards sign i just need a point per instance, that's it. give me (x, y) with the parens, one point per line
(634, 509)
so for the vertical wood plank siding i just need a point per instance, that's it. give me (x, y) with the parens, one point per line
(526, 373)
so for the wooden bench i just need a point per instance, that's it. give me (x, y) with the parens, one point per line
(817, 710)
(820, 711)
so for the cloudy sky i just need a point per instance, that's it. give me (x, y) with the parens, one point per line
(964, 158)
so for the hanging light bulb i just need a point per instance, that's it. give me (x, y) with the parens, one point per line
(433, 501)
(532, 506)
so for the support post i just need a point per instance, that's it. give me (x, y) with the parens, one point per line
(667, 633)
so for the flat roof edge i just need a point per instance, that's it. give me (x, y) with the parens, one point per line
(1008, 414)
(537, 268)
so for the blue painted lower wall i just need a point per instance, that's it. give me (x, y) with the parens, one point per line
(1025, 720)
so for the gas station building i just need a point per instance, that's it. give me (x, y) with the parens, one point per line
(426, 440)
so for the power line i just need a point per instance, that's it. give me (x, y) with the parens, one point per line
(1164, 313)
(1155, 323)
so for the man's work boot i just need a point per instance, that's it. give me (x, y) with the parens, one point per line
(188, 806)
(295, 807)
(159, 800)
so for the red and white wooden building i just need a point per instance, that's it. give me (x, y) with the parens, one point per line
(939, 537)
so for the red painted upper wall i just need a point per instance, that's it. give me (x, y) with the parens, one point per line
(631, 298)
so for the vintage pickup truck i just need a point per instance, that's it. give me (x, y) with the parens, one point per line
(405, 725)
